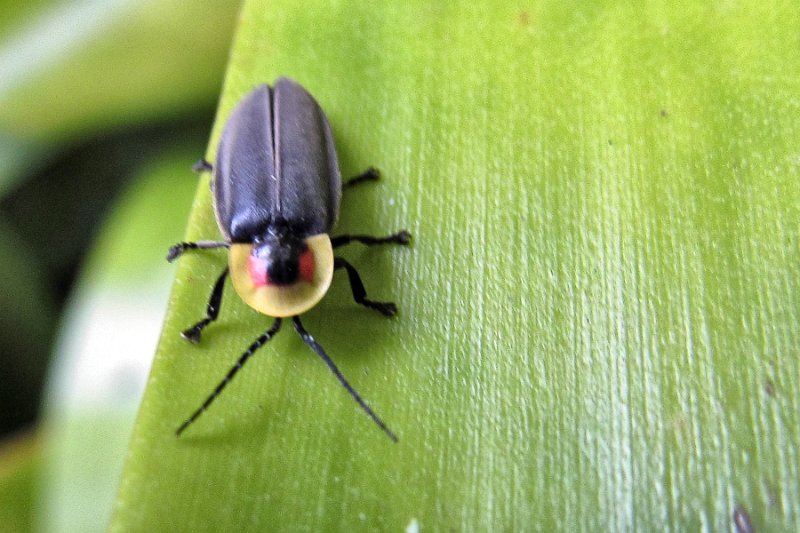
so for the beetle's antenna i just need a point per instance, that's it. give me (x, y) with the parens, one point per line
(258, 343)
(314, 345)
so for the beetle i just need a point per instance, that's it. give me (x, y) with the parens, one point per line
(277, 186)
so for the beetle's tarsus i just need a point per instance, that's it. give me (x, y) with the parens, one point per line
(402, 237)
(192, 334)
(175, 251)
(384, 308)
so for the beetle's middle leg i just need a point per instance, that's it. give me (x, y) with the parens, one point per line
(359, 292)
(192, 334)
(371, 174)
(401, 237)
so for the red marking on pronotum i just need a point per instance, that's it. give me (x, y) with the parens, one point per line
(307, 266)
(257, 268)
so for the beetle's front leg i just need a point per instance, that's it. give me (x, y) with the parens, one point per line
(176, 250)
(192, 334)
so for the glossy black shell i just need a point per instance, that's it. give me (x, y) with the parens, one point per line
(276, 165)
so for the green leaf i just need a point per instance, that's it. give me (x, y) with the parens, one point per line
(599, 313)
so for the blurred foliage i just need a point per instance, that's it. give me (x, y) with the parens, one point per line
(88, 90)
(115, 63)
(17, 14)
(107, 342)
(91, 91)
(20, 465)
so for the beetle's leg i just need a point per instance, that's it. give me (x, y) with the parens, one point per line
(314, 345)
(202, 166)
(176, 250)
(258, 343)
(359, 293)
(192, 334)
(401, 237)
(371, 174)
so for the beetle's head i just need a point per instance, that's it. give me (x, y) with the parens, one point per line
(280, 257)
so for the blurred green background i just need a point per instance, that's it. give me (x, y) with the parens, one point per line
(104, 105)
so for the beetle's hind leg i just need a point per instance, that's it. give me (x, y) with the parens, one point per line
(192, 334)
(359, 292)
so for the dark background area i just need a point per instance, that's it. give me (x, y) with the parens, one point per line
(52, 217)
(90, 92)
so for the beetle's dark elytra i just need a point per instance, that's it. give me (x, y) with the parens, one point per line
(276, 160)
(277, 187)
